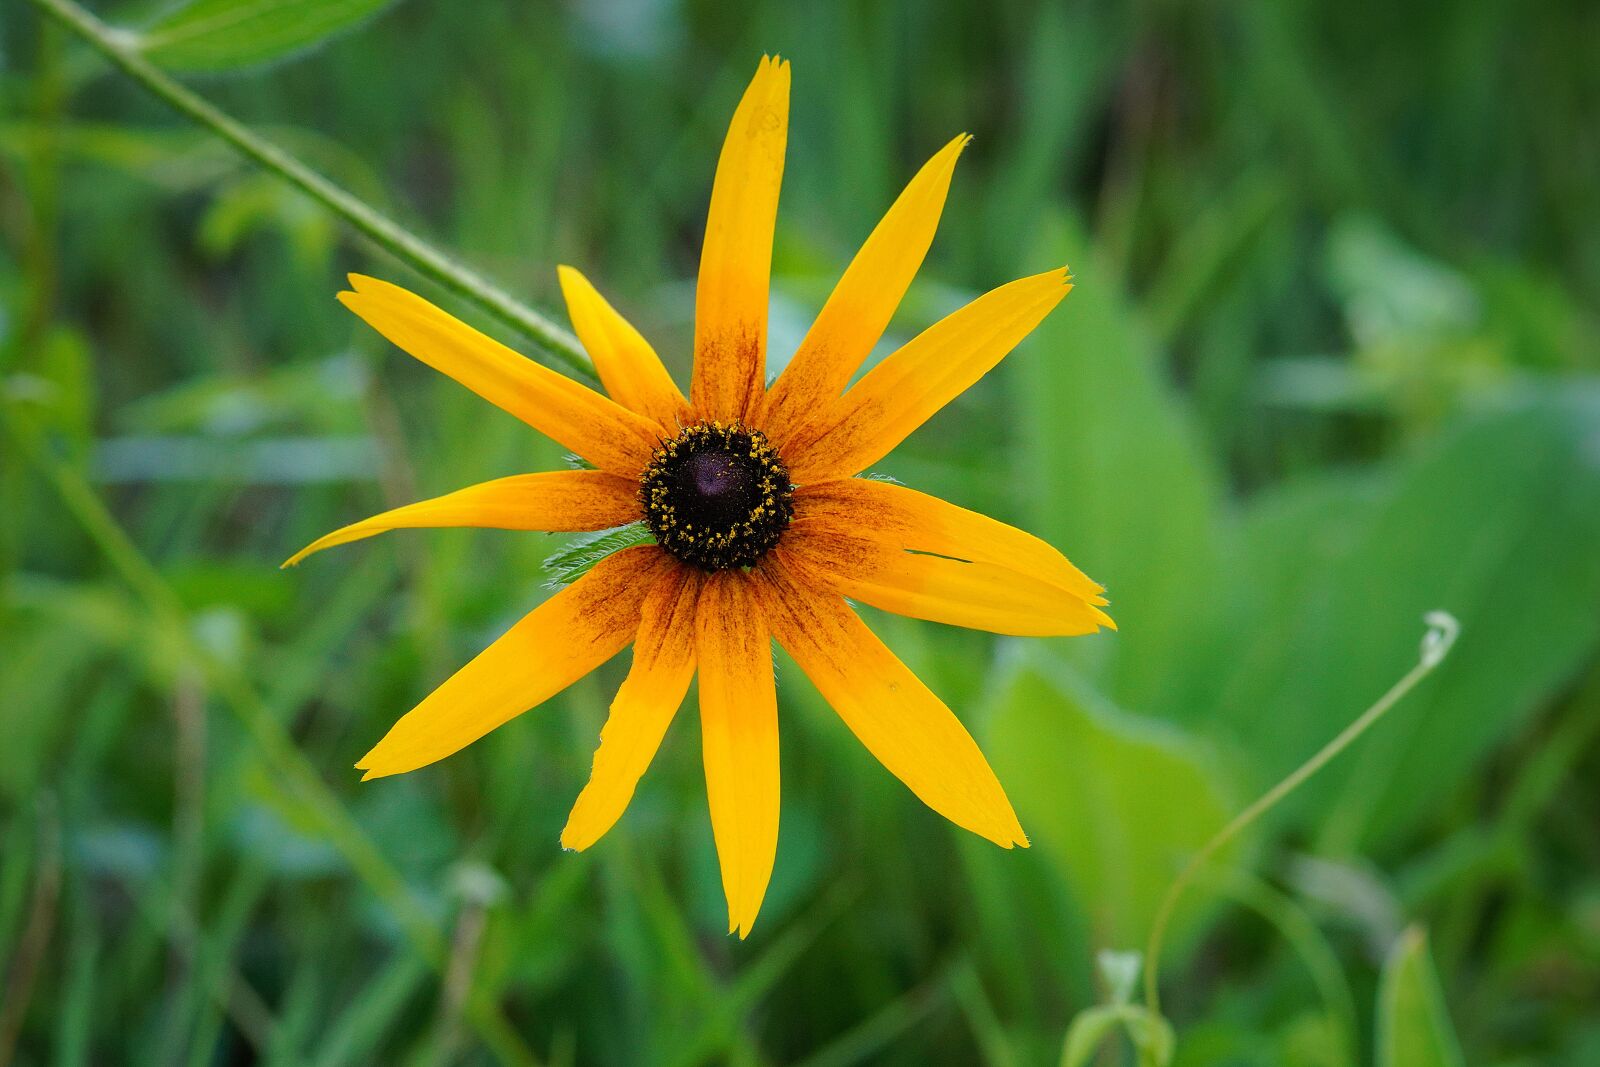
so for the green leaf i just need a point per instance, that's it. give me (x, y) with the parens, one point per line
(576, 558)
(1413, 1026)
(259, 203)
(1148, 1033)
(1391, 292)
(358, 1031)
(216, 35)
(1495, 522)
(1116, 803)
(1212, 245)
(1118, 478)
(1088, 1032)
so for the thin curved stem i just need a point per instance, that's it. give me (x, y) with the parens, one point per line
(1441, 634)
(119, 48)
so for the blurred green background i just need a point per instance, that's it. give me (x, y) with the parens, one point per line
(1331, 362)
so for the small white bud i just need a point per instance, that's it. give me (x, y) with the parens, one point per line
(1443, 629)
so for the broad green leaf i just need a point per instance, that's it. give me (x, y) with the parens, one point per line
(216, 35)
(1495, 523)
(1116, 803)
(1413, 1026)
(1117, 477)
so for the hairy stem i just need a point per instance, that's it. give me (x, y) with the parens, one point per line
(119, 47)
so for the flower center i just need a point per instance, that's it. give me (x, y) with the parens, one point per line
(717, 495)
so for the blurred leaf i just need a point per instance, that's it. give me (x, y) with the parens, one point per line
(1391, 291)
(1419, 326)
(1413, 1026)
(68, 624)
(1314, 1040)
(214, 35)
(1354, 895)
(1070, 54)
(1284, 543)
(1117, 478)
(178, 159)
(1148, 1033)
(66, 386)
(246, 586)
(1496, 523)
(260, 461)
(1210, 250)
(359, 1029)
(44, 661)
(264, 836)
(261, 203)
(1275, 69)
(322, 395)
(181, 160)
(1116, 803)
(1536, 318)
(1331, 384)
(123, 849)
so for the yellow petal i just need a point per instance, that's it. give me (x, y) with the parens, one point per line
(908, 387)
(600, 430)
(739, 739)
(554, 500)
(553, 646)
(730, 307)
(629, 368)
(859, 310)
(663, 664)
(910, 731)
(982, 596)
(916, 522)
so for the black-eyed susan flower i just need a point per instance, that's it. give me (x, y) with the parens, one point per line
(761, 527)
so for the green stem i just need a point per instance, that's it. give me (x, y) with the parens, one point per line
(120, 47)
(1442, 631)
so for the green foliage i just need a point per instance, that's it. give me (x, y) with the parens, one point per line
(1140, 509)
(1453, 526)
(1148, 1033)
(1116, 804)
(1413, 1025)
(219, 35)
(1330, 362)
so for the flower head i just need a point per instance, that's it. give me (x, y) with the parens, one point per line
(761, 526)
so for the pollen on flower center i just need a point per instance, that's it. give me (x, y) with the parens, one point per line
(716, 495)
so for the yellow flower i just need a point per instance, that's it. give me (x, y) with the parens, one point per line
(761, 527)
